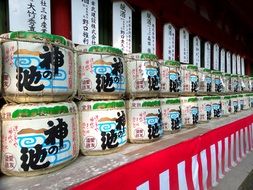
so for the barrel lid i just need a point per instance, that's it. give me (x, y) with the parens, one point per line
(216, 72)
(29, 35)
(172, 63)
(207, 97)
(227, 97)
(205, 70)
(143, 56)
(190, 99)
(143, 103)
(216, 97)
(227, 74)
(190, 67)
(99, 49)
(234, 75)
(99, 105)
(17, 111)
(249, 94)
(171, 101)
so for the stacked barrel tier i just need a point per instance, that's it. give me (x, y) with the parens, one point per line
(102, 72)
(190, 111)
(37, 67)
(170, 79)
(171, 114)
(143, 75)
(38, 138)
(103, 126)
(144, 118)
(218, 82)
(205, 81)
(205, 108)
(190, 80)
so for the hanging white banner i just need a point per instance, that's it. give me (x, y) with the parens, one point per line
(216, 56)
(169, 37)
(228, 62)
(243, 66)
(122, 26)
(184, 45)
(148, 32)
(196, 51)
(222, 60)
(30, 15)
(238, 63)
(233, 64)
(207, 55)
(84, 21)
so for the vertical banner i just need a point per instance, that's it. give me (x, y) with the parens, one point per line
(243, 66)
(196, 51)
(207, 54)
(222, 60)
(238, 63)
(122, 26)
(228, 62)
(30, 15)
(184, 45)
(148, 32)
(216, 52)
(84, 21)
(233, 64)
(169, 38)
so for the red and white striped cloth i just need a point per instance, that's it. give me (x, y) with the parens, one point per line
(198, 163)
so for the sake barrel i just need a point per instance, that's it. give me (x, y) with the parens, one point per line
(103, 127)
(143, 75)
(171, 114)
(38, 138)
(216, 107)
(170, 79)
(225, 107)
(246, 102)
(245, 86)
(227, 83)
(205, 81)
(38, 67)
(241, 102)
(190, 111)
(250, 100)
(205, 108)
(234, 83)
(102, 73)
(218, 86)
(251, 84)
(234, 104)
(190, 79)
(144, 120)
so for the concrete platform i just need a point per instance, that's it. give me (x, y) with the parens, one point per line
(86, 167)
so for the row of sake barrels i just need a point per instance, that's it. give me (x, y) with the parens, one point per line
(39, 138)
(39, 67)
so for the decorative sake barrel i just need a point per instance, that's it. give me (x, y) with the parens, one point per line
(190, 111)
(218, 82)
(205, 81)
(251, 84)
(245, 86)
(227, 83)
(144, 120)
(216, 107)
(102, 73)
(38, 138)
(190, 79)
(241, 101)
(234, 104)
(143, 75)
(38, 67)
(205, 108)
(171, 114)
(225, 105)
(103, 127)
(235, 83)
(250, 100)
(170, 79)
(246, 102)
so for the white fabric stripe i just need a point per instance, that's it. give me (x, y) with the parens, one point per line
(251, 135)
(144, 186)
(250, 138)
(237, 147)
(233, 163)
(226, 155)
(181, 176)
(247, 139)
(195, 172)
(213, 165)
(242, 142)
(164, 180)
(220, 159)
(204, 168)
